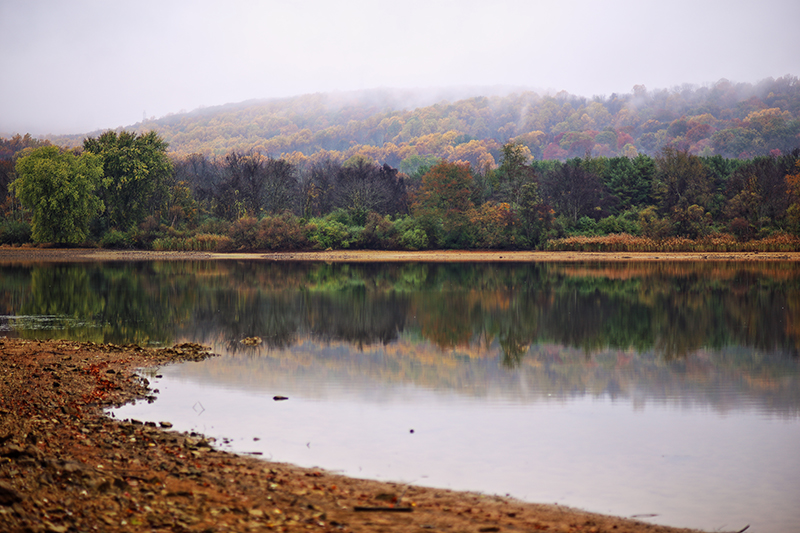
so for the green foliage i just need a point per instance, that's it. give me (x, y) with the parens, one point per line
(326, 233)
(586, 226)
(136, 175)
(412, 234)
(630, 180)
(653, 225)
(379, 233)
(415, 166)
(627, 222)
(117, 239)
(535, 216)
(14, 231)
(58, 187)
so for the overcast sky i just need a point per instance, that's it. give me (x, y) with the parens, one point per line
(82, 65)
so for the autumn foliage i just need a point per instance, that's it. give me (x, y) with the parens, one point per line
(503, 172)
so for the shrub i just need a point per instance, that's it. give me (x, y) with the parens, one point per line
(626, 222)
(214, 226)
(414, 239)
(282, 232)
(411, 234)
(325, 233)
(586, 226)
(379, 233)
(492, 225)
(15, 232)
(654, 226)
(116, 239)
(244, 233)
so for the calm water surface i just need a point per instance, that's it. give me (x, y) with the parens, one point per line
(668, 390)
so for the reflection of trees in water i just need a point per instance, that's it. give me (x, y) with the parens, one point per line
(119, 303)
(233, 316)
(673, 309)
(356, 316)
(279, 318)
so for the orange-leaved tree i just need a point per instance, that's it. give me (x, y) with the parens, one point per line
(442, 204)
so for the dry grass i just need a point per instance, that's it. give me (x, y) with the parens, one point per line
(203, 242)
(722, 242)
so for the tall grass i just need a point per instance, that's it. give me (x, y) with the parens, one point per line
(722, 242)
(203, 242)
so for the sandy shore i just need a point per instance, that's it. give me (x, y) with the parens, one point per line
(65, 466)
(10, 254)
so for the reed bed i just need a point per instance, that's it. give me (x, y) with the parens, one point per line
(203, 242)
(722, 242)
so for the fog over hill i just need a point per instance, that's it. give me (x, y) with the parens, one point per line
(737, 120)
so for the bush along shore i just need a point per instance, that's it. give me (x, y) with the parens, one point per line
(66, 466)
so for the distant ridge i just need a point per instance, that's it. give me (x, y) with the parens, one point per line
(389, 125)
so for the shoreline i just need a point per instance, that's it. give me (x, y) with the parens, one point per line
(42, 255)
(66, 466)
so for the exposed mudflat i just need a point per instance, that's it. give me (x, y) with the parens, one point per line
(65, 466)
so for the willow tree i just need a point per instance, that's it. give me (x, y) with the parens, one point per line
(136, 174)
(58, 187)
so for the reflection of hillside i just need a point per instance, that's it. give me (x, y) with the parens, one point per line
(722, 380)
(517, 331)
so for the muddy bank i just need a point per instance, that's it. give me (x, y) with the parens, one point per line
(65, 466)
(34, 255)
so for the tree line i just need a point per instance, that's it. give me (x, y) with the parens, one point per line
(125, 190)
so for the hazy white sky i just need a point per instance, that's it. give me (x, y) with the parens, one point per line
(82, 65)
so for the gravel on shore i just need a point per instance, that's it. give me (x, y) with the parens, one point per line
(66, 466)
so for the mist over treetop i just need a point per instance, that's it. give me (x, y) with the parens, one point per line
(739, 120)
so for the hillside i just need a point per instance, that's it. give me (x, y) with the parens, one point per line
(734, 120)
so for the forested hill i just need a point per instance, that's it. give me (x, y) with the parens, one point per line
(735, 120)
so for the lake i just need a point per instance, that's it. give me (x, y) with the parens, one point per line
(669, 391)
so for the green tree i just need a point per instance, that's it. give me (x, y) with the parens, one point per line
(630, 180)
(58, 187)
(518, 184)
(136, 175)
(513, 173)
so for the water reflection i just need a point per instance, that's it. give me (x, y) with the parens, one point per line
(672, 309)
(720, 333)
(678, 384)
